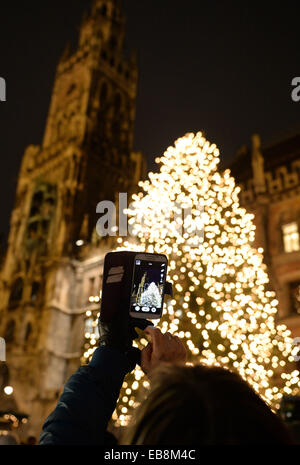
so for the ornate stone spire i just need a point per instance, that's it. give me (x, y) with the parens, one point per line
(257, 160)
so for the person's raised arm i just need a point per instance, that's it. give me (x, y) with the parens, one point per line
(90, 395)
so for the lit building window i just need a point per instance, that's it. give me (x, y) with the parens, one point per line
(290, 237)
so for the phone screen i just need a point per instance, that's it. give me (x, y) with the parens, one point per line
(148, 288)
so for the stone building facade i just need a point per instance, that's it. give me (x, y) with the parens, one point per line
(269, 178)
(54, 257)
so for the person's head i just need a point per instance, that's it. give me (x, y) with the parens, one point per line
(199, 405)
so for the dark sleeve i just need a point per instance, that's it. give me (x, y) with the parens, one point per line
(88, 401)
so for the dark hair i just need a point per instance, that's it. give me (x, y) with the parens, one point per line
(199, 405)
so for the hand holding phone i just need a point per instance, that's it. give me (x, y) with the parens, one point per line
(119, 332)
(133, 283)
(133, 289)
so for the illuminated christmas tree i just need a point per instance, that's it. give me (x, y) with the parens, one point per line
(222, 307)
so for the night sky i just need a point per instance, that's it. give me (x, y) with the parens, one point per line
(222, 67)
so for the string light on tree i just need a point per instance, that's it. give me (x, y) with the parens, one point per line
(222, 307)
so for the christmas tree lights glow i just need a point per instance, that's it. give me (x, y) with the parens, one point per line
(222, 307)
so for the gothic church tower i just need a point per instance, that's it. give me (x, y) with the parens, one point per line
(85, 157)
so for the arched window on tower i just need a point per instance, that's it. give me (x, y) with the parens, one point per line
(104, 10)
(10, 331)
(103, 95)
(34, 290)
(112, 43)
(116, 123)
(117, 104)
(16, 292)
(41, 214)
(36, 203)
(28, 333)
(102, 114)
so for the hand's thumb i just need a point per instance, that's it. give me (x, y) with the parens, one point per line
(140, 323)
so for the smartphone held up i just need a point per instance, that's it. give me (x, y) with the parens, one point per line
(134, 282)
